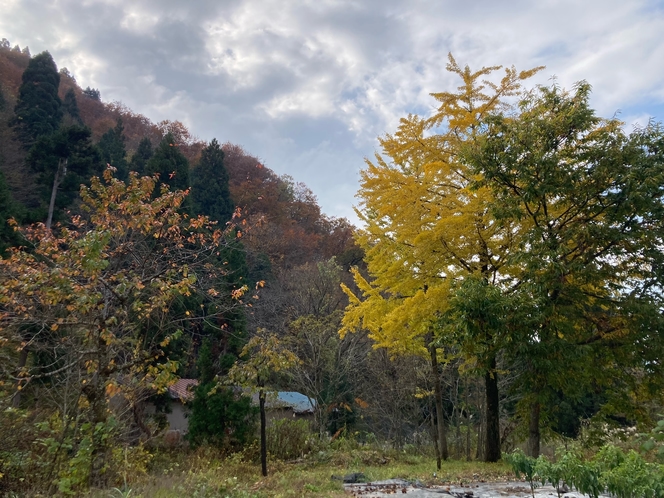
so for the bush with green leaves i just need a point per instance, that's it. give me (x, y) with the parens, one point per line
(525, 466)
(623, 475)
(654, 440)
(289, 439)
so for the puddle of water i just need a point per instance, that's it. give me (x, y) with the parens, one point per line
(397, 487)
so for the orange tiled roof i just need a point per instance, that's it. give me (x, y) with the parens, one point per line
(183, 389)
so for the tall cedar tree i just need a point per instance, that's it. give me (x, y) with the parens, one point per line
(38, 110)
(70, 107)
(65, 160)
(226, 418)
(3, 100)
(211, 195)
(141, 157)
(8, 209)
(113, 151)
(170, 164)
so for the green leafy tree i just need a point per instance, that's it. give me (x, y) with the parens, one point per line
(113, 151)
(263, 356)
(141, 157)
(588, 202)
(38, 110)
(209, 180)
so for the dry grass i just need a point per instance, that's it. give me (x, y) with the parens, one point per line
(206, 474)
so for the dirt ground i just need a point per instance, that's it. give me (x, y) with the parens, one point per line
(392, 487)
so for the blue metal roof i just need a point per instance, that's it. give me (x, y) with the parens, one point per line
(298, 401)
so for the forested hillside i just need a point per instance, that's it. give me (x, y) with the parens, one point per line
(280, 258)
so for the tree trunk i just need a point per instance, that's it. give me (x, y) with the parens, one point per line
(436, 445)
(95, 392)
(458, 443)
(440, 416)
(22, 361)
(481, 432)
(492, 452)
(468, 424)
(534, 430)
(261, 403)
(59, 175)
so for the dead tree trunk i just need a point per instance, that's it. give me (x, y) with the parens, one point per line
(57, 180)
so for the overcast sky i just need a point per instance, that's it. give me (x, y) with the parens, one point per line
(307, 86)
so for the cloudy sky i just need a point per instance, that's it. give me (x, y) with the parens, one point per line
(308, 85)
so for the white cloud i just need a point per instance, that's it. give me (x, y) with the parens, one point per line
(308, 85)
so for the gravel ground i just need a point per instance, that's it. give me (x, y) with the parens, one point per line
(392, 487)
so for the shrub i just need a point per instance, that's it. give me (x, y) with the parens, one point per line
(289, 439)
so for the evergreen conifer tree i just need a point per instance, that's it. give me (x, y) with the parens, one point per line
(209, 180)
(70, 106)
(93, 93)
(226, 418)
(8, 209)
(171, 165)
(65, 160)
(113, 152)
(38, 111)
(3, 100)
(141, 157)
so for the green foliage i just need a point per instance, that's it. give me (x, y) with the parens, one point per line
(141, 157)
(67, 157)
(552, 473)
(525, 466)
(289, 439)
(92, 93)
(70, 106)
(623, 475)
(222, 418)
(586, 198)
(38, 110)
(113, 152)
(654, 440)
(209, 180)
(170, 164)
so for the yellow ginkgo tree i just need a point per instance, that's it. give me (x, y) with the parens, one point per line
(427, 229)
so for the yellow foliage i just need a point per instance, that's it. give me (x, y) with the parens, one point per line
(425, 227)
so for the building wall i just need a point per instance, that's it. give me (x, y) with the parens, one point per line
(178, 418)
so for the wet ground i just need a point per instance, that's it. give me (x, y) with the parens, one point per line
(392, 487)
